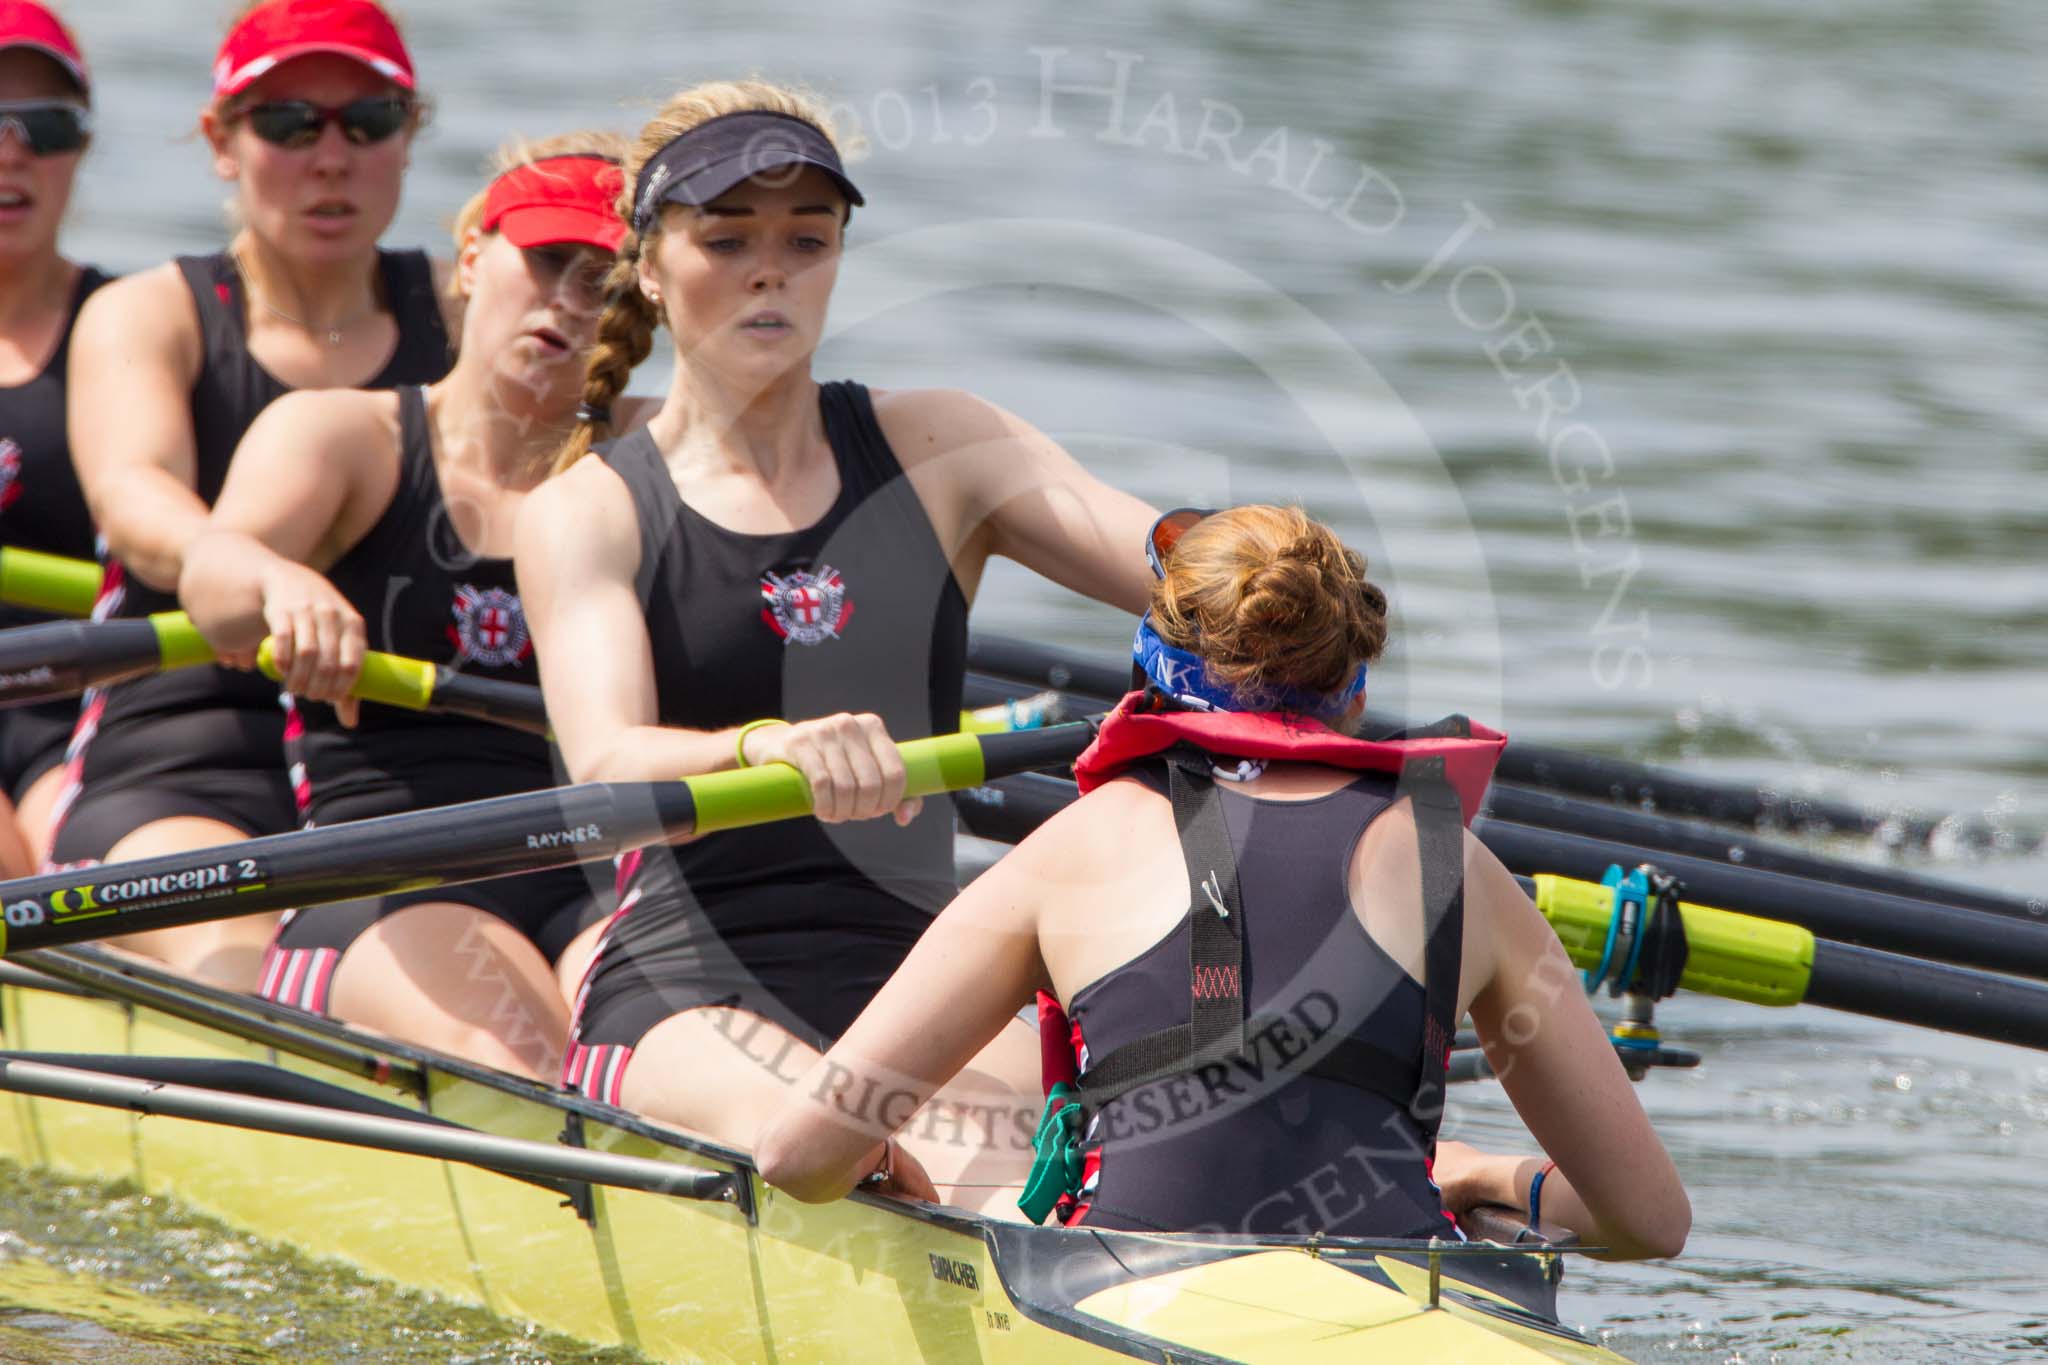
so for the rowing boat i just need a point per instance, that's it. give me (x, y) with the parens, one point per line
(728, 1270)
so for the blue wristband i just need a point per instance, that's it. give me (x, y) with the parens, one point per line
(1536, 1194)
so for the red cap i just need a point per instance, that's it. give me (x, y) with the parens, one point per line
(284, 29)
(569, 198)
(23, 23)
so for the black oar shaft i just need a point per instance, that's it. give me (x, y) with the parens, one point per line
(1548, 810)
(418, 849)
(1928, 994)
(1040, 666)
(1976, 938)
(59, 659)
(512, 1155)
(517, 705)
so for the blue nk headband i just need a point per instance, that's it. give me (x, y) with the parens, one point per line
(1182, 675)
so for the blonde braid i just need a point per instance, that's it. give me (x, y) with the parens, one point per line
(625, 334)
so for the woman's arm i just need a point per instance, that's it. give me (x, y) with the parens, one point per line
(966, 978)
(577, 557)
(310, 478)
(1011, 490)
(135, 353)
(1614, 1184)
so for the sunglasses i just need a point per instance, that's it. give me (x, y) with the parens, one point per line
(299, 123)
(48, 127)
(1166, 533)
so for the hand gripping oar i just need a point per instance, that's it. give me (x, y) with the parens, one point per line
(416, 685)
(470, 842)
(60, 659)
(51, 583)
(1543, 766)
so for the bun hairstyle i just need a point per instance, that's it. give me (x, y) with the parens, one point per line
(1271, 600)
(524, 152)
(625, 333)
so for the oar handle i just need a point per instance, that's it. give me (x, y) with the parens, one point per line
(470, 842)
(388, 679)
(51, 583)
(776, 791)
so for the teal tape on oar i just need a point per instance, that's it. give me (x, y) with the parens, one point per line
(51, 583)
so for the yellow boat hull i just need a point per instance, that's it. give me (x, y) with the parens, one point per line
(764, 1279)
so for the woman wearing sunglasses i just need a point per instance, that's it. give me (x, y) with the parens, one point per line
(45, 122)
(771, 549)
(384, 520)
(1264, 932)
(312, 120)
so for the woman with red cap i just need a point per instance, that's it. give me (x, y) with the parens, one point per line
(312, 118)
(45, 123)
(384, 520)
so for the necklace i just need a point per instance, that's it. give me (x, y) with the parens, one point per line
(336, 332)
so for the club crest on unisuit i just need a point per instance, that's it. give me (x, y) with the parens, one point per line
(805, 607)
(10, 473)
(490, 626)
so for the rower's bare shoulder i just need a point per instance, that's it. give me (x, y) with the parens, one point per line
(581, 520)
(149, 312)
(339, 428)
(924, 424)
(1097, 834)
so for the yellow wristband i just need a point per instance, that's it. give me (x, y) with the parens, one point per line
(739, 743)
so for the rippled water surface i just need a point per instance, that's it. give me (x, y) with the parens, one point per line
(1680, 364)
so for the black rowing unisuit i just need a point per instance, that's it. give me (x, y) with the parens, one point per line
(41, 508)
(209, 741)
(1252, 1145)
(857, 612)
(424, 594)
(799, 922)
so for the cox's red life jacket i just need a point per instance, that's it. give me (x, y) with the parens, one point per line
(1454, 754)
(1141, 726)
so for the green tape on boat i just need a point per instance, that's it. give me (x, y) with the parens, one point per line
(52, 583)
(776, 791)
(178, 642)
(1739, 957)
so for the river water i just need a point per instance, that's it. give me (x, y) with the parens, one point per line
(1678, 364)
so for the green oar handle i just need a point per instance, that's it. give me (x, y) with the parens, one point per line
(178, 642)
(416, 685)
(1737, 956)
(776, 791)
(387, 679)
(52, 583)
